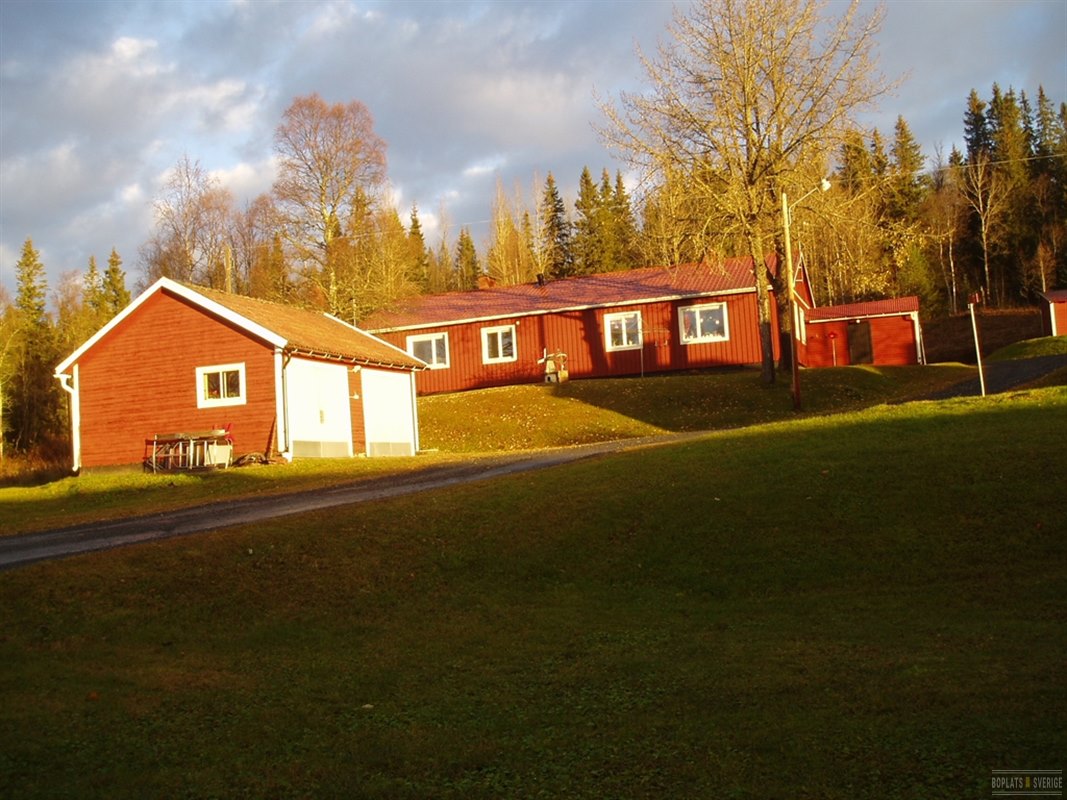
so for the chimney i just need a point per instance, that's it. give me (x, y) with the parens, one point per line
(541, 279)
(486, 281)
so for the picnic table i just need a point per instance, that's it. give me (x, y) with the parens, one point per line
(197, 450)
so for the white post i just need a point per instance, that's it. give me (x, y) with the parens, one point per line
(977, 348)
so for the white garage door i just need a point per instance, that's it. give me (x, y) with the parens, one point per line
(320, 415)
(389, 413)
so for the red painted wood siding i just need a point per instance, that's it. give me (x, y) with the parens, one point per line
(1058, 311)
(580, 334)
(892, 342)
(140, 380)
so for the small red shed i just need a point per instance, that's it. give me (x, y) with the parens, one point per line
(283, 380)
(1054, 312)
(885, 332)
(619, 323)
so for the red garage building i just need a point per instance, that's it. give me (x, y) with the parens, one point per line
(885, 332)
(1054, 313)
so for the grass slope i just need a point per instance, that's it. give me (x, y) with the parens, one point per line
(870, 605)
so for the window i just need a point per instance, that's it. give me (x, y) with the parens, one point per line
(623, 331)
(220, 385)
(705, 323)
(498, 344)
(431, 348)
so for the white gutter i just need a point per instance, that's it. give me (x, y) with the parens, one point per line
(75, 415)
(281, 406)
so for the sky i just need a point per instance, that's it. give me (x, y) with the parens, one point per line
(100, 98)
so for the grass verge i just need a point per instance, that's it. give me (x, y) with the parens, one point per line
(868, 605)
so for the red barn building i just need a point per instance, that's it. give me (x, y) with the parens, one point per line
(282, 380)
(885, 332)
(1054, 312)
(619, 323)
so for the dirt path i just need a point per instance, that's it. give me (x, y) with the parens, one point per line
(30, 547)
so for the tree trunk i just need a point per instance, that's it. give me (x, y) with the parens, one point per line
(763, 299)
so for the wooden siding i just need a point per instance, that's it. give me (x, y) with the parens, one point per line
(892, 342)
(140, 380)
(580, 334)
(1055, 318)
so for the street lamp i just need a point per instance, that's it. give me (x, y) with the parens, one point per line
(823, 186)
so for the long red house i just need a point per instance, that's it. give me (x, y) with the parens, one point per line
(611, 324)
(279, 380)
(619, 323)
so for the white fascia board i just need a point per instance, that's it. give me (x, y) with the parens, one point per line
(908, 314)
(390, 345)
(563, 310)
(185, 292)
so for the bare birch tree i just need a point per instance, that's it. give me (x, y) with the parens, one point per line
(744, 99)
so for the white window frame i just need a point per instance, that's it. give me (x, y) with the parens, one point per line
(202, 399)
(620, 317)
(499, 331)
(438, 359)
(706, 338)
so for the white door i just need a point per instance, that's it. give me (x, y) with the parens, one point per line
(389, 415)
(319, 409)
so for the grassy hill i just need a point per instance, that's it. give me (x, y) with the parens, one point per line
(869, 604)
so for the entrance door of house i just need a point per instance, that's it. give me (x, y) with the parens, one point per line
(859, 342)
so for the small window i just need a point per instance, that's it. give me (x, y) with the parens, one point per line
(707, 323)
(220, 385)
(498, 344)
(431, 348)
(622, 331)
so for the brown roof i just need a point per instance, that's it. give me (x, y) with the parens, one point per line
(1056, 296)
(873, 308)
(591, 291)
(313, 332)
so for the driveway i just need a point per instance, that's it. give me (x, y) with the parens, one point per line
(1002, 376)
(30, 547)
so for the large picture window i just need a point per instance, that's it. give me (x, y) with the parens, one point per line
(706, 323)
(220, 385)
(622, 331)
(431, 348)
(498, 344)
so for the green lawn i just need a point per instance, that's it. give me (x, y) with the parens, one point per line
(865, 605)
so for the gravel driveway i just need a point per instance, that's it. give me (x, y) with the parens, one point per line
(29, 547)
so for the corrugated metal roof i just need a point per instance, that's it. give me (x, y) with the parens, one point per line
(872, 308)
(313, 332)
(590, 291)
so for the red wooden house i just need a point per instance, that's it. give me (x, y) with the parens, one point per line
(877, 332)
(282, 380)
(1054, 313)
(620, 323)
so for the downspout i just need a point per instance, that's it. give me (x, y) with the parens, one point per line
(281, 361)
(414, 412)
(75, 416)
(920, 348)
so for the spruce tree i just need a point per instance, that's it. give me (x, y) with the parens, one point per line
(34, 412)
(906, 185)
(587, 244)
(556, 252)
(115, 294)
(467, 267)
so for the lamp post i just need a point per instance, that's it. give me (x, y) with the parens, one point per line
(823, 186)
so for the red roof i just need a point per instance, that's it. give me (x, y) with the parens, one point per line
(730, 276)
(1056, 296)
(873, 308)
